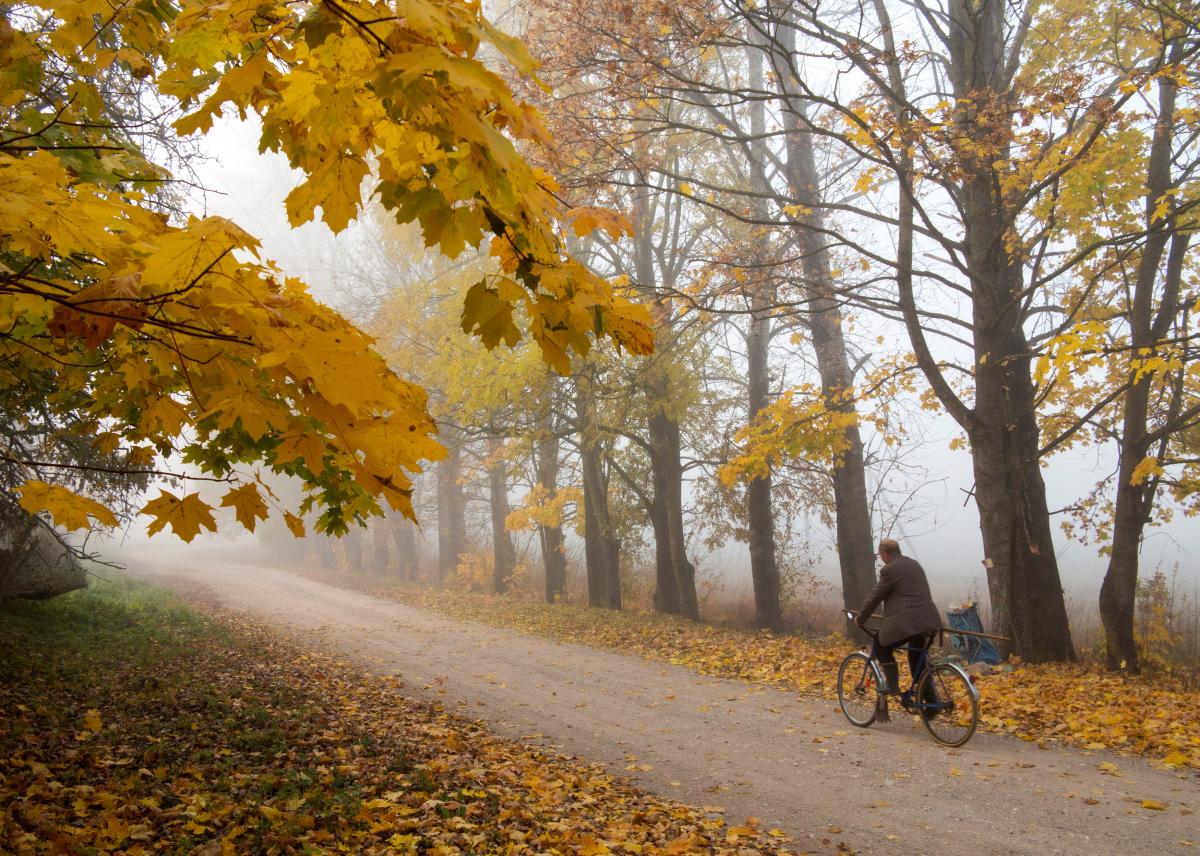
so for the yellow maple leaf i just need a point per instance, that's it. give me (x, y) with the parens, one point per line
(308, 445)
(688, 843)
(587, 220)
(1148, 467)
(164, 415)
(112, 831)
(91, 720)
(630, 326)
(589, 845)
(258, 415)
(247, 504)
(294, 523)
(69, 509)
(107, 442)
(186, 516)
(487, 314)
(334, 186)
(1154, 805)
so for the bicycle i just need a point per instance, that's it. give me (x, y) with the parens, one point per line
(946, 698)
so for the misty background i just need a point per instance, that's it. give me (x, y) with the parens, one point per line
(940, 527)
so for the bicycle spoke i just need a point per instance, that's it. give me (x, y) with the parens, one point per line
(857, 690)
(947, 706)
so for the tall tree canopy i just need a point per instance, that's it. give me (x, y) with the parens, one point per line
(164, 337)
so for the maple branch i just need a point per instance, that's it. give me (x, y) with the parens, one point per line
(99, 29)
(1074, 429)
(46, 127)
(1183, 419)
(171, 326)
(92, 147)
(631, 483)
(51, 357)
(115, 470)
(361, 26)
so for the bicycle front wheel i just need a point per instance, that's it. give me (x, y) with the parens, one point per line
(948, 705)
(858, 689)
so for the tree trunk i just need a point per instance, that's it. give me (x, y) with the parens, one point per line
(668, 494)
(404, 537)
(1118, 594)
(352, 550)
(1023, 579)
(324, 550)
(502, 545)
(764, 570)
(554, 558)
(603, 572)
(379, 540)
(553, 543)
(675, 577)
(855, 544)
(768, 610)
(452, 526)
(666, 589)
(600, 547)
(1022, 571)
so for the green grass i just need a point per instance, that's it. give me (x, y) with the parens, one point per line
(129, 620)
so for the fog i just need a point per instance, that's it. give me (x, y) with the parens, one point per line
(942, 531)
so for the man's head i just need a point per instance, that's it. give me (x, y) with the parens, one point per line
(888, 549)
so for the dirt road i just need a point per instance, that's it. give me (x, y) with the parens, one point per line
(794, 762)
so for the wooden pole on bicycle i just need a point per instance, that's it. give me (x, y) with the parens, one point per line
(974, 633)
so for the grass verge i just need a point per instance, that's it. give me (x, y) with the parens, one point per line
(134, 724)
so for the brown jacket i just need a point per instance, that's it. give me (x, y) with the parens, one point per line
(908, 607)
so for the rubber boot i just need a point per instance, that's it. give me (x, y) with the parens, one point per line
(891, 677)
(930, 698)
(881, 709)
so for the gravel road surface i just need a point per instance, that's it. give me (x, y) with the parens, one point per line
(791, 761)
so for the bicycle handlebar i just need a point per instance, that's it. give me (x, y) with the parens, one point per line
(853, 616)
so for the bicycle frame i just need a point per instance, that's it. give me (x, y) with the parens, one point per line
(914, 705)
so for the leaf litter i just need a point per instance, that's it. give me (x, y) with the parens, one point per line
(134, 728)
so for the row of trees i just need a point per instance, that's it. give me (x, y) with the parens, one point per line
(1006, 191)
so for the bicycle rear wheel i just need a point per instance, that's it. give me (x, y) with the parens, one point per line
(858, 689)
(948, 705)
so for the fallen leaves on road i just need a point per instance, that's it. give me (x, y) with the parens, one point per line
(140, 727)
(1074, 703)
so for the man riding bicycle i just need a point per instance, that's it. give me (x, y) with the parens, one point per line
(910, 617)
